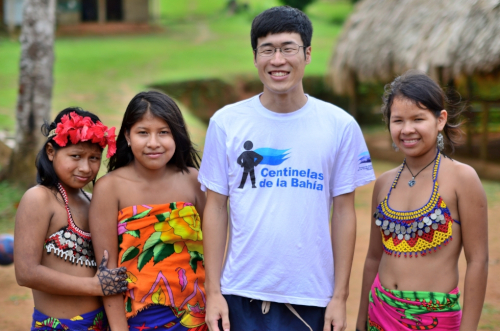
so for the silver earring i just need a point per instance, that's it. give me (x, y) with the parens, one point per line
(396, 148)
(440, 142)
(128, 143)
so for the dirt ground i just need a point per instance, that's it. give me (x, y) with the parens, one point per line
(16, 304)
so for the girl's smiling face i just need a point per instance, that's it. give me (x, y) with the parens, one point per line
(414, 129)
(75, 165)
(151, 141)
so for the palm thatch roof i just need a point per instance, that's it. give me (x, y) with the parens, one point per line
(384, 38)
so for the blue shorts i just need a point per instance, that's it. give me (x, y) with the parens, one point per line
(158, 317)
(246, 315)
(95, 320)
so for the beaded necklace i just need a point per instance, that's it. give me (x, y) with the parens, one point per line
(417, 231)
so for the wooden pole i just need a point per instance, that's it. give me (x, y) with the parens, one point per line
(155, 11)
(484, 131)
(35, 88)
(101, 11)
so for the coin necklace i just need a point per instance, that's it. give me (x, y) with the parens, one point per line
(411, 182)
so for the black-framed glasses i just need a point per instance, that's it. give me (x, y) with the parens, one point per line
(286, 50)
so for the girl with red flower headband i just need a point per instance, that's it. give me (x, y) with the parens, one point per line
(145, 212)
(53, 247)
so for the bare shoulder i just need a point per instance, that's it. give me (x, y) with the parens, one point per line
(384, 182)
(108, 184)
(469, 178)
(104, 183)
(38, 196)
(193, 174)
(190, 177)
(40, 202)
(110, 180)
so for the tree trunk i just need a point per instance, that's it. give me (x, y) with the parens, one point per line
(35, 88)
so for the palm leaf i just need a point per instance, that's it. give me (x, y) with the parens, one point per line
(162, 217)
(144, 258)
(140, 215)
(130, 253)
(134, 233)
(152, 241)
(162, 251)
(193, 261)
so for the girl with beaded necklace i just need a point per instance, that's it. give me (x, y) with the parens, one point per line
(145, 212)
(411, 270)
(53, 217)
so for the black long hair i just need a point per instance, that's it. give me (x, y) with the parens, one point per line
(46, 175)
(425, 93)
(162, 106)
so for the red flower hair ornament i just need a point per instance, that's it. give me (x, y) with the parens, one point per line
(79, 129)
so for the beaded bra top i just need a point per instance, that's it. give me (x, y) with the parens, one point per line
(417, 231)
(71, 243)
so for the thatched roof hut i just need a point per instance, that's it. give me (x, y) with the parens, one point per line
(449, 39)
(384, 38)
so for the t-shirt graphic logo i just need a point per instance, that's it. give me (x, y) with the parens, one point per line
(364, 158)
(248, 160)
(273, 156)
(364, 161)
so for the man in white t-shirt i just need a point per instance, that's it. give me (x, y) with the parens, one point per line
(305, 157)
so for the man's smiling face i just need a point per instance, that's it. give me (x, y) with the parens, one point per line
(278, 73)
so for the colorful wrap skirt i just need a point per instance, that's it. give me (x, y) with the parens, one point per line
(162, 248)
(158, 318)
(95, 320)
(392, 310)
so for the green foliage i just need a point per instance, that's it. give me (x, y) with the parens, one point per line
(102, 74)
(189, 9)
(130, 253)
(144, 258)
(193, 261)
(162, 251)
(128, 305)
(203, 97)
(10, 196)
(162, 217)
(299, 4)
(134, 233)
(335, 12)
(154, 239)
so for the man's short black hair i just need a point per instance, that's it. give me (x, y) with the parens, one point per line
(281, 19)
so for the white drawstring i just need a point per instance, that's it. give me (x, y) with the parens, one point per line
(297, 314)
(266, 307)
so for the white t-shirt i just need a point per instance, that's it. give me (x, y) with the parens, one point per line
(279, 247)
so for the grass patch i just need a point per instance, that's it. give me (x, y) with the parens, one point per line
(490, 318)
(492, 190)
(102, 74)
(15, 298)
(10, 196)
(335, 12)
